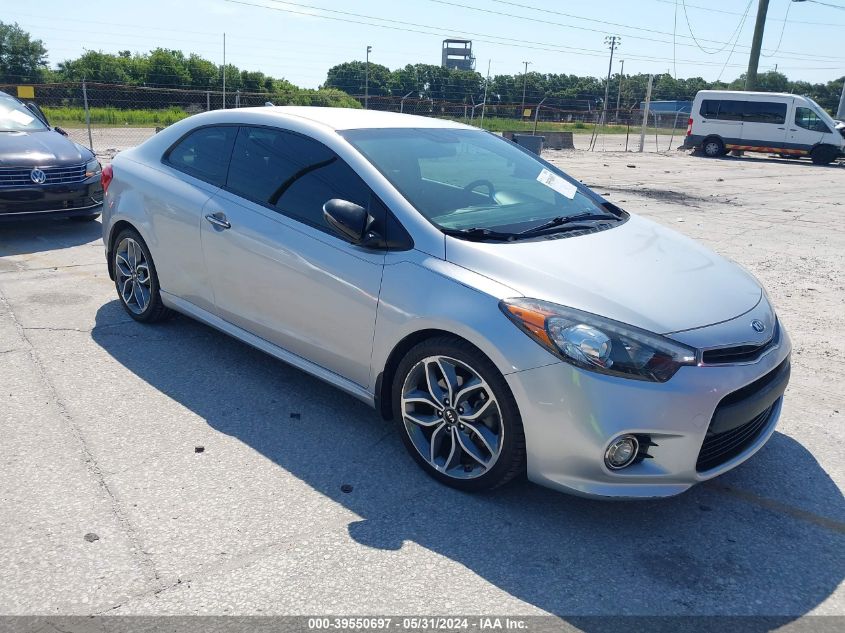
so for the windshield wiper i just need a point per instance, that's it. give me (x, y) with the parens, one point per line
(478, 234)
(567, 219)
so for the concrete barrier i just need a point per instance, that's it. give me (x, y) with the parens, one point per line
(554, 140)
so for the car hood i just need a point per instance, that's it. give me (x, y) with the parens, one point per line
(40, 149)
(639, 272)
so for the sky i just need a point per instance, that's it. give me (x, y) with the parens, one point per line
(301, 40)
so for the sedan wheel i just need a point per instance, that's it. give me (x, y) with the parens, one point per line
(135, 278)
(132, 275)
(459, 418)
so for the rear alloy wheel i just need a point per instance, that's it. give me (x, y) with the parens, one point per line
(135, 278)
(459, 418)
(713, 147)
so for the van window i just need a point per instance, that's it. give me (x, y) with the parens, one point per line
(765, 112)
(710, 108)
(809, 120)
(731, 110)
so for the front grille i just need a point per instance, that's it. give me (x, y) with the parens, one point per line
(21, 176)
(721, 446)
(740, 353)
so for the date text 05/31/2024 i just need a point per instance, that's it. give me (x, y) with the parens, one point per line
(425, 623)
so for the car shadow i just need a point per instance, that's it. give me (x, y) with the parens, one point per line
(755, 542)
(34, 236)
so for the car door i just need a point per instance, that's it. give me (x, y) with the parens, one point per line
(277, 269)
(806, 129)
(195, 168)
(764, 124)
(722, 118)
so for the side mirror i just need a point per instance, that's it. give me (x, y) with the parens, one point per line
(348, 219)
(60, 131)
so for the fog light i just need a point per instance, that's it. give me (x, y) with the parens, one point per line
(621, 452)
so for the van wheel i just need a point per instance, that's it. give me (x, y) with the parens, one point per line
(823, 155)
(713, 147)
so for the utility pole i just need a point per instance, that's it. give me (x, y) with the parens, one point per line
(619, 94)
(524, 86)
(367, 80)
(224, 71)
(756, 44)
(645, 111)
(613, 41)
(484, 102)
(840, 112)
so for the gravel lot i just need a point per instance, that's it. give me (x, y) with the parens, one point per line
(109, 507)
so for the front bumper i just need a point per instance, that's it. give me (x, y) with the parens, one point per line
(571, 415)
(60, 200)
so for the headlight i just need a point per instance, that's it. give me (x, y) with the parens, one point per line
(93, 168)
(596, 343)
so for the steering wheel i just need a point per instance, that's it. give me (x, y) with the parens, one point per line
(491, 188)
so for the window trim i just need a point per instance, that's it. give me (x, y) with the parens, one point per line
(165, 157)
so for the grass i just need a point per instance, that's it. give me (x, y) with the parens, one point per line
(75, 117)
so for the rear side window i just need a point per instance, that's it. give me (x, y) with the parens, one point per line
(809, 120)
(204, 153)
(709, 108)
(765, 112)
(731, 110)
(291, 174)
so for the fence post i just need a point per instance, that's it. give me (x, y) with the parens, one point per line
(207, 100)
(645, 111)
(238, 98)
(87, 114)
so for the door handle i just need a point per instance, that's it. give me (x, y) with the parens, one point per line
(781, 128)
(218, 220)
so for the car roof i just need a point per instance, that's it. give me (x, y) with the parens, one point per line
(743, 93)
(352, 118)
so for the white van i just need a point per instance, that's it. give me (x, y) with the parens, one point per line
(771, 122)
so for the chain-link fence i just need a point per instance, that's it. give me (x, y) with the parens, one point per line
(113, 117)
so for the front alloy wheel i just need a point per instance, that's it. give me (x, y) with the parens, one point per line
(460, 421)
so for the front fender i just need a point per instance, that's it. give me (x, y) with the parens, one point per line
(431, 294)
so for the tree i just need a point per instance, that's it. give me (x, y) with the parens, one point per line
(168, 68)
(350, 78)
(22, 59)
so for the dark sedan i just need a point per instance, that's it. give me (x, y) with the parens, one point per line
(42, 172)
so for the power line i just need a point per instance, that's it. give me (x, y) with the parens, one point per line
(738, 33)
(783, 28)
(607, 23)
(724, 11)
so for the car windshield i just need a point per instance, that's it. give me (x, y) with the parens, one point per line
(470, 179)
(14, 117)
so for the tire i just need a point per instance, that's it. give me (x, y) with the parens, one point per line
(713, 147)
(474, 451)
(84, 218)
(135, 278)
(823, 155)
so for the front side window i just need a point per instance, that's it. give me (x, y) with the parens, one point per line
(204, 153)
(709, 108)
(15, 117)
(463, 179)
(809, 120)
(291, 174)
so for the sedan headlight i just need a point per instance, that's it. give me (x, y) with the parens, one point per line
(93, 168)
(596, 343)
